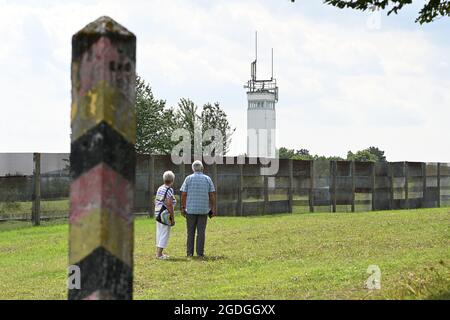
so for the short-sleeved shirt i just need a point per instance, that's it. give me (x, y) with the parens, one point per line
(160, 196)
(197, 186)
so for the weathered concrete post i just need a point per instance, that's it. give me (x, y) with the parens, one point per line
(353, 173)
(311, 186)
(216, 182)
(438, 185)
(374, 186)
(333, 185)
(240, 204)
(424, 184)
(183, 176)
(102, 160)
(291, 185)
(391, 186)
(266, 195)
(151, 184)
(406, 174)
(36, 197)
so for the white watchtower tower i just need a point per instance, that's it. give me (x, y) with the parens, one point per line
(262, 95)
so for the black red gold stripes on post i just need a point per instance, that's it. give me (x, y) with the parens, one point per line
(102, 160)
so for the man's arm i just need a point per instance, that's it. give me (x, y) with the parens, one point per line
(183, 203)
(212, 197)
(212, 202)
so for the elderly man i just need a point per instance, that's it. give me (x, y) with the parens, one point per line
(198, 199)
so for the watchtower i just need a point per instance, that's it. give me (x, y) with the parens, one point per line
(262, 95)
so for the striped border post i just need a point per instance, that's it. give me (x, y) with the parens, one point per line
(102, 160)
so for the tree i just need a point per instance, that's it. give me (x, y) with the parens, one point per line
(187, 118)
(154, 122)
(372, 154)
(285, 153)
(378, 153)
(429, 12)
(362, 155)
(327, 158)
(302, 154)
(211, 117)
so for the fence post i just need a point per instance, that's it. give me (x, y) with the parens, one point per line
(391, 175)
(215, 185)
(311, 186)
(353, 171)
(439, 184)
(151, 185)
(240, 191)
(103, 161)
(266, 194)
(373, 185)
(424, 184)
(36, 197)
(334, 183)
(183, 176)
(291, 184)
(406, 174)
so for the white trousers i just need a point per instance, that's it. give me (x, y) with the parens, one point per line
(162, 235)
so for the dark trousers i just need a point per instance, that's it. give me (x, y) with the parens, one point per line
(196, 222)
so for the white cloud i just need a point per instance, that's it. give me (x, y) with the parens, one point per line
(342, 86)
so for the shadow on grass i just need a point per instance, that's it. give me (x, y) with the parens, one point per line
(196, 259)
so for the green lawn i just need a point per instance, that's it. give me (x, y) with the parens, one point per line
(296, 256)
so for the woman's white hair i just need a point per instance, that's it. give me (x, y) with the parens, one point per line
(197, 166)
(168, 176)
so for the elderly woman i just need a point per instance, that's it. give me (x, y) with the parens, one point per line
(164, 196)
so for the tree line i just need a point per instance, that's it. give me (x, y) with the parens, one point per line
(372, 154)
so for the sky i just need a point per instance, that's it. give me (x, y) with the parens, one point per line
(347, 80)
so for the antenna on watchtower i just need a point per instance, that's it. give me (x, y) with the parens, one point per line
(256, 45)
(272, 66)
(256, 57)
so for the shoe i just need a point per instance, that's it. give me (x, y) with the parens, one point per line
(163, 257)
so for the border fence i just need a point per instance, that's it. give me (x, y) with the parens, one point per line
(32, 190)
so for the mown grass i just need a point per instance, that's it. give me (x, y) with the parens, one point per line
(291, 256)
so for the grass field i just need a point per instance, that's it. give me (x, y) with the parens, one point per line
(296, 256)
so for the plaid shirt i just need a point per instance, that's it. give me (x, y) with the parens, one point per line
(197, 186)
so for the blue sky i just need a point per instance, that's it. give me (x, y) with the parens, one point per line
(348, 80)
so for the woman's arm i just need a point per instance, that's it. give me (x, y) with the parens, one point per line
(169, 205)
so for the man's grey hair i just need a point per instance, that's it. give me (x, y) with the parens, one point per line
(197, 166)
(168, 176)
